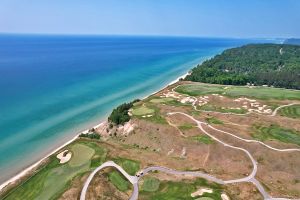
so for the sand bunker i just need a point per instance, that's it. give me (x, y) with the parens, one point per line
(64, 156)
(201, 192)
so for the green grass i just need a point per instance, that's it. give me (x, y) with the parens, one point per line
(210, 107)
(275, 132)
(118, 180)
(161, 100)
(156, 116)
(290, 111)
(203, 139)
(53, 178)
(199, 89)
(150, 184)
(186, 126)
(169, 190)
(213, 120)
(239, 91)
(142, 110)
(130, 166)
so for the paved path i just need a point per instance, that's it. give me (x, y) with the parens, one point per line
(132, 179)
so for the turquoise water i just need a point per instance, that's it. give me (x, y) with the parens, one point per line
(52, 87)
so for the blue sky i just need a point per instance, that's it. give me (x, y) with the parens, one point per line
(215, 18)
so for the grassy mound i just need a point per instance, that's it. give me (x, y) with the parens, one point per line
(275, 132)
(290, 111)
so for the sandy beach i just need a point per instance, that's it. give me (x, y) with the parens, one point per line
(31, 167)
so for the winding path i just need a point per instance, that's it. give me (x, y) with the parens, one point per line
(135, 179)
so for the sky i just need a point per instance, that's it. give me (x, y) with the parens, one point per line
(205, 18)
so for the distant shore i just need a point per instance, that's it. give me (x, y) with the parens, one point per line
(36, 164)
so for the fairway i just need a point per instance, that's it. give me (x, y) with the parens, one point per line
(239, 91)
(150, 184)
(275, 132)
(290, 111)
(118, 180)
(181, 190)
(130, 166)
(54, 178)
(161, 100)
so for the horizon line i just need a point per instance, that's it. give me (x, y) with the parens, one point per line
(140, 35)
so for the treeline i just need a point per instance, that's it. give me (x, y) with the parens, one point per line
(276, 65)
(120, 115)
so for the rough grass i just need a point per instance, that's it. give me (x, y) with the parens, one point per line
(213, 120)
(150, 184)
(290, 111)
(203, 139)
(170, 190)
(142, 110)
(53, 178)
(275, 132)
(239, 91)
(118, 180)
(186, 126)
(130, 166)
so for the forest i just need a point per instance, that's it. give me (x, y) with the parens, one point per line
(276, 65)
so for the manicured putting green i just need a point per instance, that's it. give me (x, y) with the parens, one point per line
(83, 154)
(143, 110)
(150, 184)
(238, 91)
(290, 111)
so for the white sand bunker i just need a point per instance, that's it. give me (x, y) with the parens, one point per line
(201, 192)
(224, 196)
(64, 156)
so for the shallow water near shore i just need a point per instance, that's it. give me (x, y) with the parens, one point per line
(52, 87)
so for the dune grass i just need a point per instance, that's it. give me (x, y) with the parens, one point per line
(205, 139)
(213, 120)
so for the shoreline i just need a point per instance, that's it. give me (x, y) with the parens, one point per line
(31, 167)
